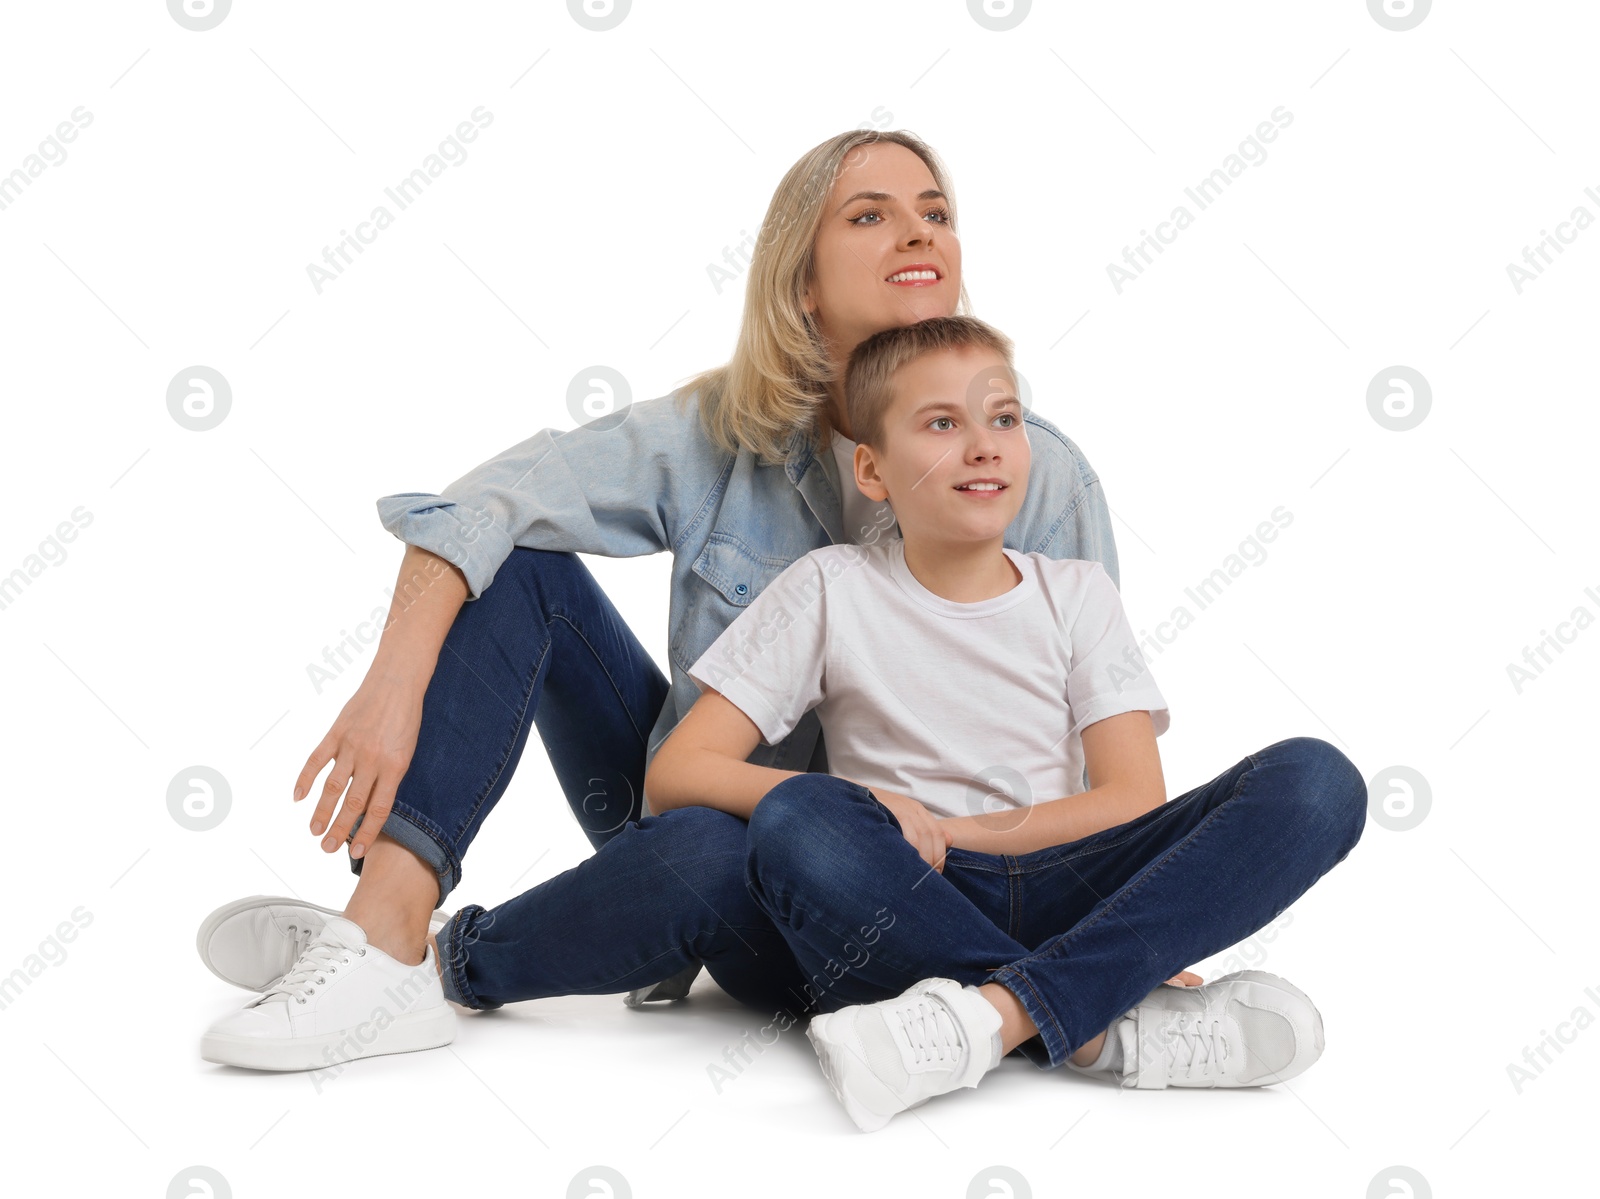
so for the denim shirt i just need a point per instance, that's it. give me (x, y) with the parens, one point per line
(647, 479)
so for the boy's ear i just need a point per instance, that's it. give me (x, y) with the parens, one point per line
(871, 483)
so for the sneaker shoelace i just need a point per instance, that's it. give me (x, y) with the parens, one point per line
(1196, 1044)
(301, 938)
(929, 1030)
(311, 969)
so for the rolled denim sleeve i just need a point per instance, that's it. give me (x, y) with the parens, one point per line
(1069, 518)
(606, 487)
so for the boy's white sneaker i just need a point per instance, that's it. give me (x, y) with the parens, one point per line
(1247, 1029)
(253, 942)
(884, 1058)
(341, 999)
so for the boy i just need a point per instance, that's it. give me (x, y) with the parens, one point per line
(943, 663)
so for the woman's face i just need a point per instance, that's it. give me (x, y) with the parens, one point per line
(901, 221)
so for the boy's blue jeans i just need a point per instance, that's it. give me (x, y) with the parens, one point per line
(818, 901)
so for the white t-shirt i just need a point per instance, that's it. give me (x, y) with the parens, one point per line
(964, 707)
(866, 522)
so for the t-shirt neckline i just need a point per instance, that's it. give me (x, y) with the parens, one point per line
(902, 575)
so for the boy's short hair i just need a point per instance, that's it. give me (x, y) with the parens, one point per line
(869, 377)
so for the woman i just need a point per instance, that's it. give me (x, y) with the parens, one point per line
(730, 474)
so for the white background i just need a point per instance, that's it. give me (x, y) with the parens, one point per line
(1229, 379)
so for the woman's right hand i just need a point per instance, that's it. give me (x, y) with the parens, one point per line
(922, 828)
(370, 746)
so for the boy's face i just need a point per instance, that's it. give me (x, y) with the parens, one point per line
(955, 418)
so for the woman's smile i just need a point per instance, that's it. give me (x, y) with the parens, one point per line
(921, 274)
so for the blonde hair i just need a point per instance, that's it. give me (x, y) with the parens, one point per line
(776, 381)
(869, 379)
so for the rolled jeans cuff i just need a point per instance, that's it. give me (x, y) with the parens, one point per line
(454, 941)
(1049, 1049)
(410, 828)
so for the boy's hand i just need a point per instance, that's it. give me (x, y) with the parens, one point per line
(926, 832)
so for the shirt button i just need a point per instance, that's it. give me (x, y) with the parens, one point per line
(741, 589)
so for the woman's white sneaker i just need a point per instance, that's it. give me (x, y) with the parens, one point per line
(884, 1058)
(253, 942)
(340, 1000)
(1248, 1029)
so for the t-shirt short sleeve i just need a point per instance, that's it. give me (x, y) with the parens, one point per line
(1108, 674)
(769, 661)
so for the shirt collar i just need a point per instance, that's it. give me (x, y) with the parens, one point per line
(819, 487)
(802, 449)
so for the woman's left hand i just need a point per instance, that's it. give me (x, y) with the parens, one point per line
(1185, 978)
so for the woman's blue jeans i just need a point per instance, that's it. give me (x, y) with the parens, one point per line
(818, 901)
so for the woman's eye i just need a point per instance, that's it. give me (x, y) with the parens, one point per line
(937, 419)
(1008, 416)
(942, 213)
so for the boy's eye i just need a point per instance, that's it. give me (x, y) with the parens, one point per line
(1006, 416)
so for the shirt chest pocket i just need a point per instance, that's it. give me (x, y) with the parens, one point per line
(734, 570)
